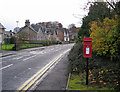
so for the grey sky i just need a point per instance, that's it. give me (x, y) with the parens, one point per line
(64, 11)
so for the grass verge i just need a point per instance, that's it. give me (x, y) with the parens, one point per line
(20, 46)
(7, 46)
(77, 82)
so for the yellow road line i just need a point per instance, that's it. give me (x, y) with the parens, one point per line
(33, 81)
(35, 77)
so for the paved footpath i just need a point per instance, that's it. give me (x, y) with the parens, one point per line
(57, 78)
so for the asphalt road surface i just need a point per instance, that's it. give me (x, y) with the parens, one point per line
(57, 78)
(18, 68)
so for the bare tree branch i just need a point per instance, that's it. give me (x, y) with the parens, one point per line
(112, 6)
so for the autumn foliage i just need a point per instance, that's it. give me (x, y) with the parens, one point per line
(105, 37)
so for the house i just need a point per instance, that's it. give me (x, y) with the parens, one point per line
(66, 35)
(43, 31)
(74, 32)
(40, 31)
(63, 34)
(52, 34)
(27, 32)
(8, 34)
(16, 29)
(2, 30)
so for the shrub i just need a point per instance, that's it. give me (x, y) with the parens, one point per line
(76, 59)
(12, 40)
(105, 38)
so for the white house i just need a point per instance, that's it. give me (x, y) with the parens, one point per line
(2, 30)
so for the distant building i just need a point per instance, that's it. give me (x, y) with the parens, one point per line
(27, 32)
(2, 30)
(63, 34)
(8, 34)
(16, 29)
(43, 31)
(73, 32)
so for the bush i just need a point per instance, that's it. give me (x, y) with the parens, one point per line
(76, 59)
(59, 42)
(105, 38)
(102, 71)
(12, 40)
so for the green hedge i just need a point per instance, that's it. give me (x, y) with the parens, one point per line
(102, 71)
(18, 46)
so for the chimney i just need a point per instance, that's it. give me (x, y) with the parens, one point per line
(27, 22)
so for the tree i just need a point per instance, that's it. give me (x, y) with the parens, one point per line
(115, 5)
(95, 12)
(71, 26)
(104, 36)
(12, 40)
(116, 8)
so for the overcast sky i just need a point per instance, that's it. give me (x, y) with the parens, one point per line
(63, 11)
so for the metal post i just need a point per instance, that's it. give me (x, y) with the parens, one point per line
(87, 71)
(15, 46)
(1, 46)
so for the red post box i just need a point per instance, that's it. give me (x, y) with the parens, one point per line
(87, 47)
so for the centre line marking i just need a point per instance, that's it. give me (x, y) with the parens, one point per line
(6, 67)
(28, 58)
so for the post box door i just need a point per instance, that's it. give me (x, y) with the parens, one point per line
(87, 48)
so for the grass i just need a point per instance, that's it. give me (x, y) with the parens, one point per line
(29, 45)
(77, 82)
(21, 46)
(7, 46)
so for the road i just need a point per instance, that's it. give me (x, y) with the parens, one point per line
(20, 67)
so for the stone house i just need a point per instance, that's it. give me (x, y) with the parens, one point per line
(27, 32)
(40, 32)
(52, 34)
(2, 31)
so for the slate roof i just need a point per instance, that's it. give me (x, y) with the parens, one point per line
(37, 27)
(1, 26)
(29, 27)
(51, 30)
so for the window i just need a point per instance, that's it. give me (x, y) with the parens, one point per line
(34, 38)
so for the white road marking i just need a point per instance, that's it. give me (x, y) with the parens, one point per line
(19, 57)
(6, 67)
(28, 58)
(29, 68)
